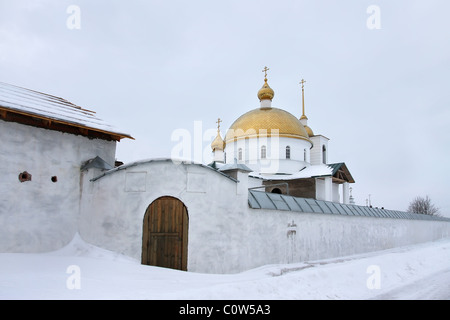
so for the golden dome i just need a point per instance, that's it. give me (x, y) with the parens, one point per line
(309, 131)
(249, 125)
(266, 92)
(218, 143)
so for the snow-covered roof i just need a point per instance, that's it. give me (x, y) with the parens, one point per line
(235, 166)
(159, 160)
(39, 109)
(96, 162)
(314, 171)
(321, 170)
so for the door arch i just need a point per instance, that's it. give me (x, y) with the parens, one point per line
(165, 234)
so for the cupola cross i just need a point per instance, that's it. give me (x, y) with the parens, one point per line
(265, 71)
(218, 123)
(302, 83)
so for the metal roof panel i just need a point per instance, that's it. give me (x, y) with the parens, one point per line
(293, 205)
(278, 201)
(263, 200)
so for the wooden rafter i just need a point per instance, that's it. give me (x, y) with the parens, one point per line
(41, 121)
(343, 175)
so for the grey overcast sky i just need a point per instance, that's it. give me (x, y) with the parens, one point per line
(151, 67)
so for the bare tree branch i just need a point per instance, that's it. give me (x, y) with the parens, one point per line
(423, 206)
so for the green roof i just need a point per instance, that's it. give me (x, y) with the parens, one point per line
(273, 201)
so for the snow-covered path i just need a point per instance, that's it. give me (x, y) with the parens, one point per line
(433, 287)
(82, 271)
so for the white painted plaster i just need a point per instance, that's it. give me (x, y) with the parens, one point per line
(218, 156)
(345, 193)
(316, 151)
(225, 235)
(320, 236)
(335, 196)
(40, 215)
(275, 161)
(113, 219)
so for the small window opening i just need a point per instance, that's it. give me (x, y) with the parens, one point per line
(288, 152)
(263, 152)
(24, 176)
(240, 154)
(54, 179)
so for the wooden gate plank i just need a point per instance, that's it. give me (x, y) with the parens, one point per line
(165, 231)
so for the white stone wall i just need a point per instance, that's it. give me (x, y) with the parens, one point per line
(320, 236)
(41, 215)
(225, 235)
(114, 207)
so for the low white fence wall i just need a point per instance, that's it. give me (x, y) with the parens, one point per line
(275, 236)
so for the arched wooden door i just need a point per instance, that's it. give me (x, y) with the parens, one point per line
(165, 234)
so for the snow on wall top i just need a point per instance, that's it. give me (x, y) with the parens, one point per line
(320, 170)
(160, 160)
(33, 103)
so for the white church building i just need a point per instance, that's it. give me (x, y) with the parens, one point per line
(282, 153)
(269, 196)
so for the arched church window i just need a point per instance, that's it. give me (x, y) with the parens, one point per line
(240, 154)
(288, 152)
(263, 152)
(304, 154)
(324, 154)
(277, 191)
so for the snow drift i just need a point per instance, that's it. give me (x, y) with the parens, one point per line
(83, 271)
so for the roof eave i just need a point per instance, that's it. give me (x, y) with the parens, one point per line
(40, 121)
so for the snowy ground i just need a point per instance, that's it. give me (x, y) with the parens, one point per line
(82, 271)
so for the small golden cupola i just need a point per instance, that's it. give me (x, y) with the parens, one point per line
(218, 144)
(266, 93)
